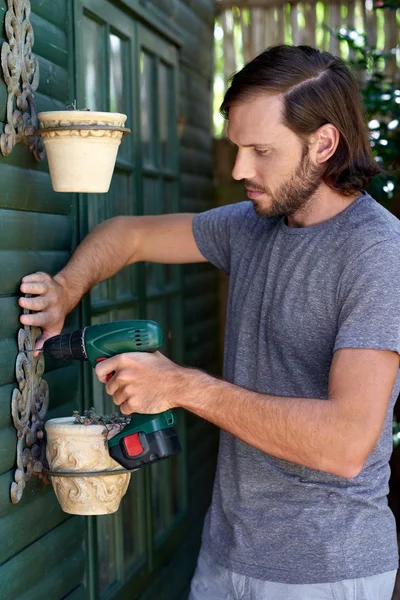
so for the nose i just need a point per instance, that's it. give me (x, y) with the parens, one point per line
(243, 168)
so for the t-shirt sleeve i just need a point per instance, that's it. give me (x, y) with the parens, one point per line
(216, 231)
(369, 299)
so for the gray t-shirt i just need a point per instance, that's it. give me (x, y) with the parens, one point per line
(295, 296)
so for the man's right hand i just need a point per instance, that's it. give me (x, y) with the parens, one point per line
(50, 303)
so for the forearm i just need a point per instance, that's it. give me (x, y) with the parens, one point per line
(310, 432)
(103, 252)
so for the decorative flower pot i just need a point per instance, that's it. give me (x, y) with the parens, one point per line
(75, 447)
(81, 148)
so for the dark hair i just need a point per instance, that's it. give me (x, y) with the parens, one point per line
(317, 89)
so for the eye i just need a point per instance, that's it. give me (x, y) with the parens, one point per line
(260, 152)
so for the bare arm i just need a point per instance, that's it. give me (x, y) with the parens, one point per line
(334, 435)
(111, 246)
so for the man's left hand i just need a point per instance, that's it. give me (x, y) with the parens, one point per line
(143, 382)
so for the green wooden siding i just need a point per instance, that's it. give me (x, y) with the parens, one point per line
(39, 540)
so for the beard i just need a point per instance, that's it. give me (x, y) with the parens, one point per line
(293, 195)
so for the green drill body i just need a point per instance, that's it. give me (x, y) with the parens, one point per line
(147, 438)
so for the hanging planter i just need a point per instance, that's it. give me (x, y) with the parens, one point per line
(73, 447)
(81, 148)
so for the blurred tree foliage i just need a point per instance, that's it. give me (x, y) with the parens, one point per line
(381, 95)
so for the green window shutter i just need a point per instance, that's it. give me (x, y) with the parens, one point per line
(122, 66)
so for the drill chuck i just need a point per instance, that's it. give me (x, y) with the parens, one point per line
(66, 346)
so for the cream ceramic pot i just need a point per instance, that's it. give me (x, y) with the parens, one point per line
(81, 160)
(75, 447)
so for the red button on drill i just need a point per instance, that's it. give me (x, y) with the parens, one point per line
(133, 445)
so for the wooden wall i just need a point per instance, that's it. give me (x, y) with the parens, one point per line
(41, 552)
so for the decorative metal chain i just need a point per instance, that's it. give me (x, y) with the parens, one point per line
(21, 74)
(29, 406)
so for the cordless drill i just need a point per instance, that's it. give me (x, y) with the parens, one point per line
(147, 438)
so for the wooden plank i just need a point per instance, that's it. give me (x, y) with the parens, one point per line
(5, 400)
(257, 31)
(280, 26)
(35, 489)
(53, 80)
(311, 23)
(46, 103)
(371, 26)
(27, 524)
(197, 38)
(8, 449)
(228, 45)
(27, 231)
(246, 37)
(42, 556)
(334, 22)
(9, 316)
(198, 281)
(50, 41)
(198, 306)
(20, 156)
(194, 205)
(196, 185)
(80, 593)
(8, 353)
(258, 4)
(205, 9)
(31, 191)
(64, 387)
(58, 582)
(200, 330)
(196, 162)
(196, 136)
(194, 356)
(270, 29)
(391, 40)
(294, 23)
(53, 11)
(14, 265)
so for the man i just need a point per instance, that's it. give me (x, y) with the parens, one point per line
(299, 509)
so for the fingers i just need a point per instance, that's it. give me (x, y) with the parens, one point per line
(35, 277)
(107, 366)
(40, 287)
(119, 397)
(125, 408)
(37, 319)
(37, 303)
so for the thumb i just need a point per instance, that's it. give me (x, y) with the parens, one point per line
(46, 335)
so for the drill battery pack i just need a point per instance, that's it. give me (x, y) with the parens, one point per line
(147, 439)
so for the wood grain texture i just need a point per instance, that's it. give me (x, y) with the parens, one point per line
(44, 554)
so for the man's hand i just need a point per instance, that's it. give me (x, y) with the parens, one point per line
(143, 382)
(50, 302)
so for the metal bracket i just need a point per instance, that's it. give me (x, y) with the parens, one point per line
(29, 406)
(21, 74)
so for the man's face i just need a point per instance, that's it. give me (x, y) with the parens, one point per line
(278, 173)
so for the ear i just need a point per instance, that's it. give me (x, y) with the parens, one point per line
(324, 143)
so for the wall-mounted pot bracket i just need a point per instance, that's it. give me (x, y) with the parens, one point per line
(29, 405)
(21, 74)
